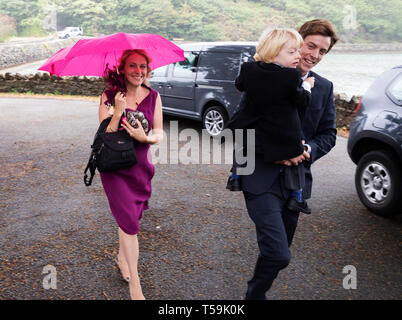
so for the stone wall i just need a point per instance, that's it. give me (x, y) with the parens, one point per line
(92, 86)
(345, 109)
(16, 54)
(43, 83)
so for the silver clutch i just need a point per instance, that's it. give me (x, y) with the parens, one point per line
(137, 115)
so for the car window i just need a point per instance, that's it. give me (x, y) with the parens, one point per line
(218, 66)
(159, 72)
(395, 90)
(185, 69)
(248, 56)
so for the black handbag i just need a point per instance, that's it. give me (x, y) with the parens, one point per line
(111, 151)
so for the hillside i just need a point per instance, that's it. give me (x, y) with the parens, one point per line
(356, 20)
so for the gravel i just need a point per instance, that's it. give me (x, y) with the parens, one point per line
(196, 239)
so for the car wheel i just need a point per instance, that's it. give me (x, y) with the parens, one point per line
(214, 120)
(378, 183)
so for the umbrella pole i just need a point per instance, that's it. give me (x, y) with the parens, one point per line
(115, 60)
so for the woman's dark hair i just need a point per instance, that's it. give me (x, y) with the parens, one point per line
(114, 82)
(114, 78)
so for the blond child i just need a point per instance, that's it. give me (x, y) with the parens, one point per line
(277, 97)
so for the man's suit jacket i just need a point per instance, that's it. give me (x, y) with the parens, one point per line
(319, 131)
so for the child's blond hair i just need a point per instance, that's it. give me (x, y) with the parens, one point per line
(273, 40)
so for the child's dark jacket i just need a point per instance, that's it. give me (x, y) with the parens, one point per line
(277, 102)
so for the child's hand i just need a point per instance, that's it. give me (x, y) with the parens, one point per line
(311, 81)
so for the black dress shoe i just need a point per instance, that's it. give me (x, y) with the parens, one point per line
(296, 206)
(233, 184)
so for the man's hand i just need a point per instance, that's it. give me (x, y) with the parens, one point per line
(296, 160)
(284, 162)
(305, 153)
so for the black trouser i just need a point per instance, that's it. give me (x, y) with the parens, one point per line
(275, 228)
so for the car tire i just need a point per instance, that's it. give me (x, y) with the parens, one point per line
(378, 182)
(214, 120)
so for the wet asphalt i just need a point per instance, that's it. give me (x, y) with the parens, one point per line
(196, 239)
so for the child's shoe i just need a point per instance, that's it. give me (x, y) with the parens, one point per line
(234, 184)
(298, 206)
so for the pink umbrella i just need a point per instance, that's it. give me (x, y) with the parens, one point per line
(56, 62)
(89, 57)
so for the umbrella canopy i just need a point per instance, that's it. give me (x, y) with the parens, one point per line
(89, 57)
(56, 62)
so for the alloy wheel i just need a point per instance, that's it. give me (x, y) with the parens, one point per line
(375, 182)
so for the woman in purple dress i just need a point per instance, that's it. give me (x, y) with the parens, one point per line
(128, 190)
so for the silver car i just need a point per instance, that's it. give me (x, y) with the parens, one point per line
(68, 32)
(202, 86)
(375, 145)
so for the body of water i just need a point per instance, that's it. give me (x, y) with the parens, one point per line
(351, 73)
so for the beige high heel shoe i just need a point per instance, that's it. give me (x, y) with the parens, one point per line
(126, 279)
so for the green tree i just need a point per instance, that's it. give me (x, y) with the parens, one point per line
(209, 19)
(379, 20)
(88, 14)
(26, 13)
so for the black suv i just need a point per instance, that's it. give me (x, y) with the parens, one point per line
(202, 86)
(375, 145)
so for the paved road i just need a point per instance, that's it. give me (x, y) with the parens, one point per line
(196, 240)
(25, 69)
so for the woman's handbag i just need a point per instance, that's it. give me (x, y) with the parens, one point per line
(110, 152)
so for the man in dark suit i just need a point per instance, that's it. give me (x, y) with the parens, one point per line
(265, 190)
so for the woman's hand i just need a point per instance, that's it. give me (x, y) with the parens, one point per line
(136, 133)
(120, 103)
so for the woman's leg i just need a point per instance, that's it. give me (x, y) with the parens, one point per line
(121, 258)
(130, 249)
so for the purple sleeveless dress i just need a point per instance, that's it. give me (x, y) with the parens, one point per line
(128, 190)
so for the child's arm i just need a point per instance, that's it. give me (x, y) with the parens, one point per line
(303, 95)
(244, 116)
(239, 82)
(308, 84)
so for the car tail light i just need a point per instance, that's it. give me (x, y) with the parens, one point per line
(358, 106)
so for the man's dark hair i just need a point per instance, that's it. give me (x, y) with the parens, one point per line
(321, 27)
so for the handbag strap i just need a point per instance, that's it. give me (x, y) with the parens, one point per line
(92, 169)
(103, 125)
(91, 166)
